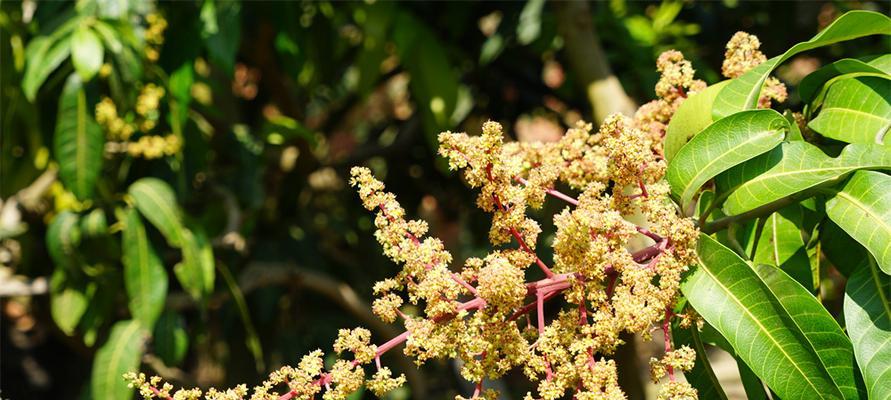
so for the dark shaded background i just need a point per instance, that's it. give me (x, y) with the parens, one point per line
(295, 93)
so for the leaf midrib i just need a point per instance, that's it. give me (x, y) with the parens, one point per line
(702, 171)
(116, 352)
(762, 328)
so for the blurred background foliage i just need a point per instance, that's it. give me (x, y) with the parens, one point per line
(251, 114)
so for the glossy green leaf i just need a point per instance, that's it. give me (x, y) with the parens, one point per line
(862, 207)
(120, 354)
(721, 146)
(731, 297)
(742, 93)
(702, 377)
(691, 118)
(170, 340)
(782, 246)
(87, 52)
(156, 201)
(79, 141)
(144, 276)
(823, 333)
(790, 168)
(867, 312)
(856, 110)
(43, 55)
(68, 301)
(62, 238)
(813, 83)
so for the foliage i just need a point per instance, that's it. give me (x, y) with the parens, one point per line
(173, 169)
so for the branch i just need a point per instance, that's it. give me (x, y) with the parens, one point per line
(588, 61)
(767, 209)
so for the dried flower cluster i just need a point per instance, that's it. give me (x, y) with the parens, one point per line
(619, 252)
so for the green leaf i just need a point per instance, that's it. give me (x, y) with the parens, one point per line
(120, 354)
(856, 110)
(68, 301)
(862, 207)
(156, 201)
(868, 319)
(62, 238)
(692, 117)
(790, 168)
(702, 377)
(170, 340)
(813, 83)
(782, 246)
(87, 52)
(79, 141)
(196, 272)
(94, 224)
(144, 276)
(43, 55)
(731, 297)
(721, 146)
(823, 333)
(529, 26)
(742, 93)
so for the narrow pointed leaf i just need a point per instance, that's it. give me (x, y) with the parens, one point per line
(790, 168)
(862, 207)
(156, 201)
(119, 355)
(144, 276)
(813, 83)
(78, 141)
(868, 319)
(731, 297)
(692, 117)
(823, 333)
(721, 146)
(742, 93)
(856, 110)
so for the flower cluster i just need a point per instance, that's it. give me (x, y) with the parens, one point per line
(619, 252)
(742, 55)
(119, 129)
(154, 35)
(675, 84)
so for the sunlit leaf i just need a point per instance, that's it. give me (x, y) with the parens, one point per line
(868, 319)
(68, 301)
(790, 168)
(862, 207)
(813, 83)
(721, 146)
(691, 118)
(782, 246)
(856, 110)
(87, 52)
(731, 297)
(742, 93)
